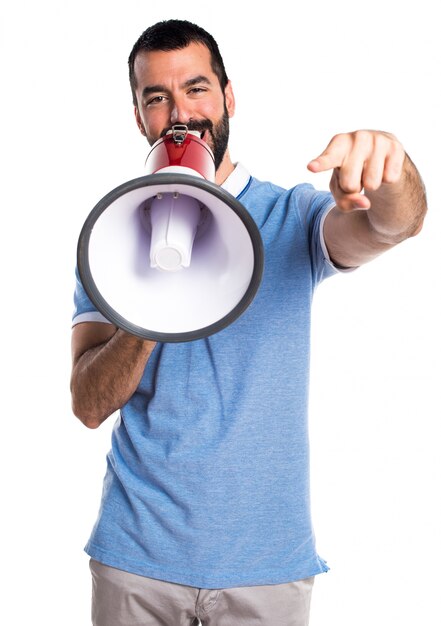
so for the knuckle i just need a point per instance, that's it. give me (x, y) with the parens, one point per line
(391, 137)
(349, 186)
(363, 136)
(382, 141)
(340, 139)
(392, 175)
(371, 182)
(337, 137)
(348, 183)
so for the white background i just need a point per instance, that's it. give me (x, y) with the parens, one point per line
(301, 73)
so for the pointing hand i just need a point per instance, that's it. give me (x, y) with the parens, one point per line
(362, 161)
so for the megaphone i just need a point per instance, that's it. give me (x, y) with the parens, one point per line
(171, 256)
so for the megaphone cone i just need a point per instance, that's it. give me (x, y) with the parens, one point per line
(171, 256)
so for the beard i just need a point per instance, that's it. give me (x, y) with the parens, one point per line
(219, 134)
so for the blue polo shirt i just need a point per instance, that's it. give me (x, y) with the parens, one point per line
(207, 480)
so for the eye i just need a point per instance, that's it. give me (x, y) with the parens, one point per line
(197, 91)
(156, 100)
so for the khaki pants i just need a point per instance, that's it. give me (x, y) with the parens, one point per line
(123, 599)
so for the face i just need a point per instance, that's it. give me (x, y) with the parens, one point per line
(180, 87)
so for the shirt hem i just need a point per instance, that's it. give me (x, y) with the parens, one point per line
(269, 577)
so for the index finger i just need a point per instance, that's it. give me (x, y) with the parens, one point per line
(332, 157)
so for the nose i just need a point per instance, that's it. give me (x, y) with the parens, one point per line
(180, 112)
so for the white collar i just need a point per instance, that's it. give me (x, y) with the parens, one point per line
(237, 180)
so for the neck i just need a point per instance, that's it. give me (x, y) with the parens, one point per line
(224, 169)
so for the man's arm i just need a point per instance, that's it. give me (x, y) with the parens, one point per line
(392, 207)
(107, 366)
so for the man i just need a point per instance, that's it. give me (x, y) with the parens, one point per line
(205, 509)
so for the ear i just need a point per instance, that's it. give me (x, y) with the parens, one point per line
(230, 102)
(139, 121)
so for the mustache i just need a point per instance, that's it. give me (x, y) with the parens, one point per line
(198, 125)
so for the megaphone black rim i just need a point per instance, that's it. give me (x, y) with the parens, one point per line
(168, 179)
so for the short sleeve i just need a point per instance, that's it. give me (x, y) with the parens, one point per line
(84, 310)
(313, 207)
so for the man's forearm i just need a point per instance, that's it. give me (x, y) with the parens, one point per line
(106, 376)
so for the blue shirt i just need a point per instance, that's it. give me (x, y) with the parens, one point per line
(207, 480)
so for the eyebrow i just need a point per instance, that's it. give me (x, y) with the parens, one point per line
(149, 89)
(196, 80)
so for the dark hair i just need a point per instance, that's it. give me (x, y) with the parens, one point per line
(173, 35)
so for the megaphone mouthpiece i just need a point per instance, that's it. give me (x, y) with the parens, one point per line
(174, 221)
